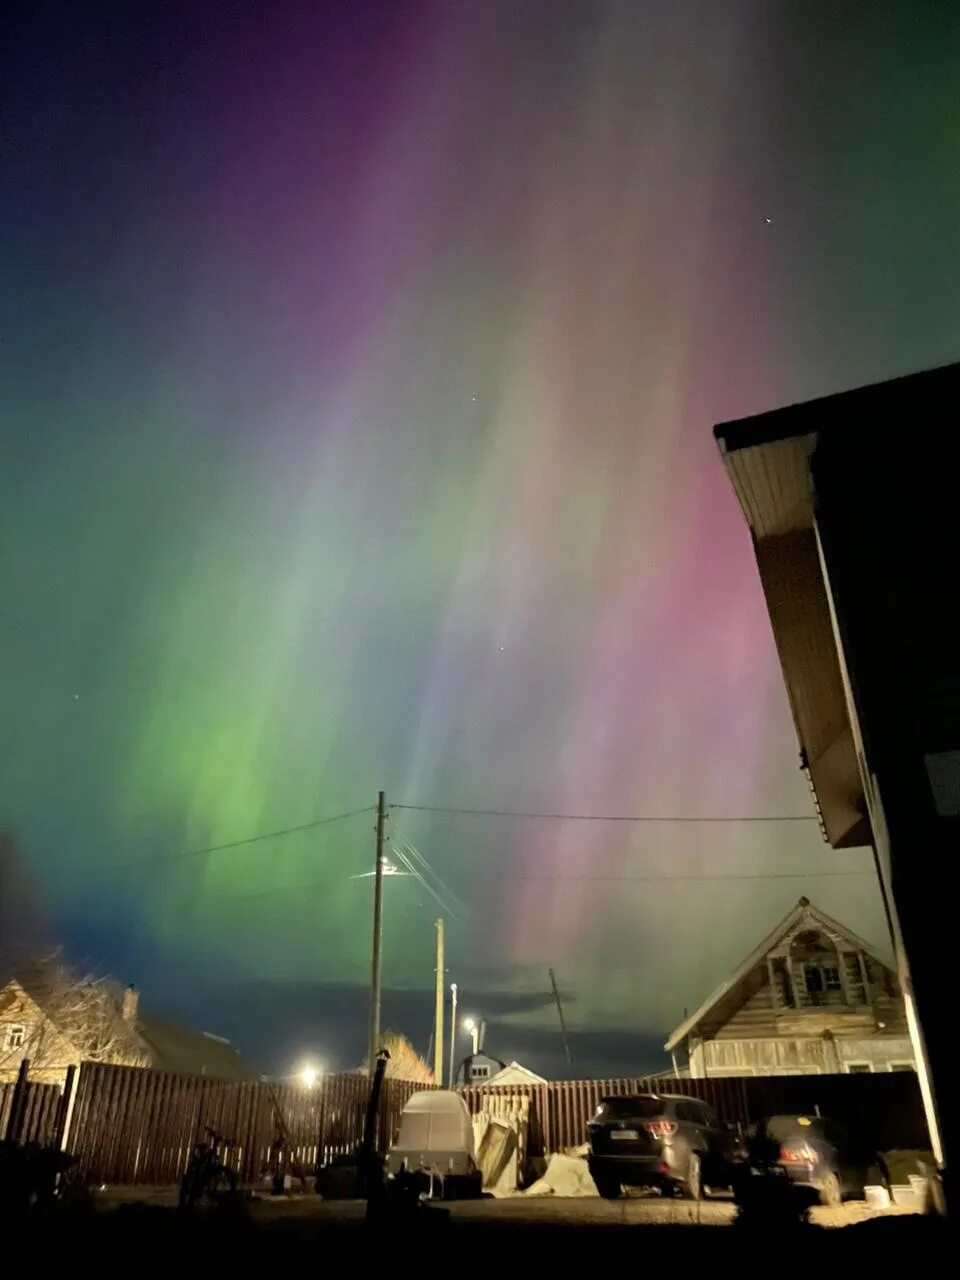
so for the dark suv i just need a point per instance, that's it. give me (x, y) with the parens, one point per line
(668, 1141)
(815, 1152)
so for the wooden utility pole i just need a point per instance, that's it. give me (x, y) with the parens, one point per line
(563, 1025)
(374, 1047)
(438, 1013)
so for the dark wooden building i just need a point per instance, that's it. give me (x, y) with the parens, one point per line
(811, 998)
(851, 503)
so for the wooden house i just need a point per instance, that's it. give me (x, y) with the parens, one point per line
(811, 998)
(61, 1021)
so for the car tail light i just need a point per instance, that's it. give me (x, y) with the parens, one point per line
(798, 1155)
(660, 1128)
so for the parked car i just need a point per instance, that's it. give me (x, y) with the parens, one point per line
(668, 1141)
(816, 1152)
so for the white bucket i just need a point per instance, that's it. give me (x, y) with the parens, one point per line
(904, 1196)
(921, 1188)
(877, 1197)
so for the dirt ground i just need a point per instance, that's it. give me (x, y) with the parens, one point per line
(259, 1235)
(630, 1210)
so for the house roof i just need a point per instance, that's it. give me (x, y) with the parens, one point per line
(803, 911)
(514, 1069)
(188, 1052)
(167, 1045)
(771, 460)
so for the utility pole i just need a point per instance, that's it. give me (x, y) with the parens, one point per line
(374, 1047)
(563, 1025)
(453, 1030)
(438, 1013)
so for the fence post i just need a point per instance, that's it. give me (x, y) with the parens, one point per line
(18, 1107)
(64, 1107)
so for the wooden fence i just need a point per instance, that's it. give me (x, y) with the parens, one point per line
(886, 1108)
(132, 1125)
(38, 1118)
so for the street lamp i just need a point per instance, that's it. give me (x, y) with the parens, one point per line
(472, 1028)
(308, 1075)
(453, 1032)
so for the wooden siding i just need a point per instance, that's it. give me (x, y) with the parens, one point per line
(770, 1056)
(782, 1055)
(755, 1009)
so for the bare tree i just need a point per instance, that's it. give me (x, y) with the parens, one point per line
(81, 1013)
(405, 1063)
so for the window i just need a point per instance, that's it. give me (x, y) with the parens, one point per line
(694, 1113)
(900, 1066)
(16, 1034)
(480, 1071)
(822, 982)
(859, 1068)
(636, 1108)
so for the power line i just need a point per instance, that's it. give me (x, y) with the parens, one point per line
(236, 844)
(599, 817)
(424, 884)
(651, 879)
(457, 906)
(479, 813)
(733, 875)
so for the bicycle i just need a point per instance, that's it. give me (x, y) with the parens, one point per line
(207, 1179)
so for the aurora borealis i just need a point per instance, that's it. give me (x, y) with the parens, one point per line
(359, 365)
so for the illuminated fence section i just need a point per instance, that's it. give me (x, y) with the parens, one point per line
(130, 1125)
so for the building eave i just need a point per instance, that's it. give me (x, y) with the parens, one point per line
(769, 459)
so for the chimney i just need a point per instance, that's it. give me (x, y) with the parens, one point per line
(131, 999)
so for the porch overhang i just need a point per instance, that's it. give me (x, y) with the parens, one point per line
(768, 461)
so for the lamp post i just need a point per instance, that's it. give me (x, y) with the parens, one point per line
(472, 1028)
(453, 1035)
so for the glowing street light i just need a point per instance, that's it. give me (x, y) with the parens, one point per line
(308, 1075)
(472, 1028)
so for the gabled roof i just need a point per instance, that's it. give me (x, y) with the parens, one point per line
(515, 1070)
(802, 912)
(188, 1052)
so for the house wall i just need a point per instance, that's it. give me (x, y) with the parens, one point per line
(884, 1053)
(770, 1023)
(49, 1052)
(868, 1000)
(801, 1055)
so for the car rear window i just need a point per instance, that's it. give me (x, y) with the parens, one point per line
(642, 1108)
(780, 1128)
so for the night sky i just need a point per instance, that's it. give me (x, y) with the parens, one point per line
(359, 362)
